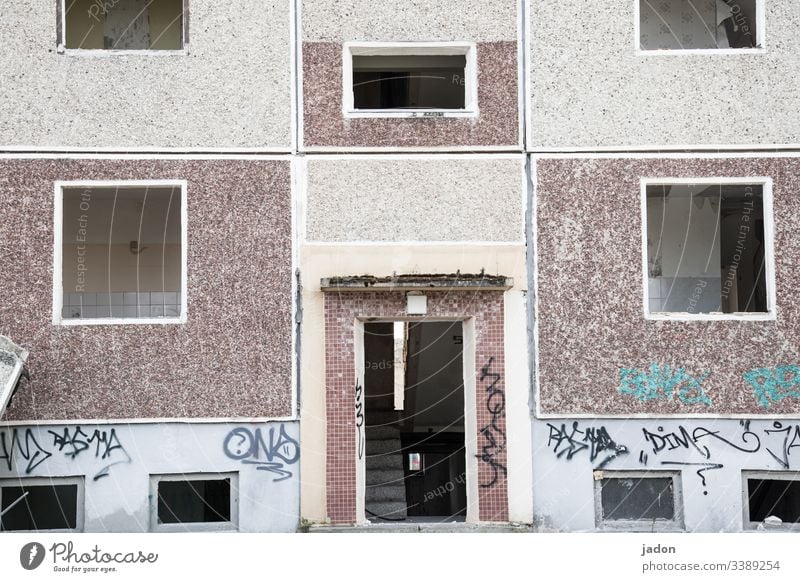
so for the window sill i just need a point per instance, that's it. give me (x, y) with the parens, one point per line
(122, 321)
(410, 113)
(643, 526)
(195, 527)
(770, 316)
(110, 53)
(709, 52)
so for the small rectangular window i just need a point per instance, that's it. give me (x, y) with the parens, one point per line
(773, 499)
(122, 255)
(629, 497)
(202, 501)
(708, 249)
(41, 504)
(124, 24)
(699, 24)
(410, 79)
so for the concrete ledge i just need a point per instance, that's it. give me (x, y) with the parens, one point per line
(452, 282)
(423, 528)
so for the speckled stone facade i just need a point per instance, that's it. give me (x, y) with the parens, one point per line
(497, 124)
(232, 358)
(341, 312)
(590, 298)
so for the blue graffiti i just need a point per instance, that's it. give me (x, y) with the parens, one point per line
(772, 385)
(663, 382)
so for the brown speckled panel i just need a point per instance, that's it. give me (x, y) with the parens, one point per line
(325, 125)
(233, 356)
(591, 313)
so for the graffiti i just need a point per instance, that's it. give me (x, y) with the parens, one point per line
(772, 385)
(360, 419)
(279, 450)
(26, 447)
(70, 441)
(596, 441)
(663, 383)
(495, 435)
(105, 442)
(791, 440)
(700, 472)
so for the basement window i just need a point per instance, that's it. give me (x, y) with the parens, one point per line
(773, 500)
(410, 80)
(124, 25)
(700, 25)
(198, 501)
(708, 250)
(120, 255)
(635, 499)
(41, 504)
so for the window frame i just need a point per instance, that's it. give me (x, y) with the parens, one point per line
(215, 526)
(468, 49)
(80, 505)
(58, 287)
(676, 524)
(61, 41)
(747, 523)
(761, 47)
(769, 249)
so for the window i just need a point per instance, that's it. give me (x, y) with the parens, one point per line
(773, 500)
(41, 504)
(199, 501)
(699, 24)
(643, 500)
(410, 80)
(708, 249)
(120, 252)
(123, 24)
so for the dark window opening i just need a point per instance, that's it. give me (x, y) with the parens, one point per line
(194, 501)
(409, 81)
(706, 248)
(774, 498)
(124, 25)
(637, 498)
(45, 507)
(697, 24)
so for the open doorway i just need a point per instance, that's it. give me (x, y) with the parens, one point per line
(414, 412)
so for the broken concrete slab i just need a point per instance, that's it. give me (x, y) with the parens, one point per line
(12, 366)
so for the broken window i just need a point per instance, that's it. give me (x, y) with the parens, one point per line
(706, 248)
(122, 252)
(195, 499)
(124, 24)
(637, 497)
(397, 78)
(40, 504)
(775, 501)
(698, 24)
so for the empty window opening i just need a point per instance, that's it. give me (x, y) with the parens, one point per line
(775, 501)
(630, 497)
(45, 505)
(121, 252)
(196, 500)
(124, 24)
(414, 409)
(698, 24)
(706, 251)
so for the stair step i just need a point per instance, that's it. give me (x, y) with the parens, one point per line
(389, 477)
(382, 432)
(391, 509)
(384, 447)
(382, 416)
(381, 462)
(386, 493)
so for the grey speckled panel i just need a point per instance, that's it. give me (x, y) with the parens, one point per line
(591, 317)
(233, 89)
(325, 124)
(590, 89)
(468, 199)
(409, 20)
(233, 356)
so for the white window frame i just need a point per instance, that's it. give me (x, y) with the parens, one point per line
(52, 481)
(760, 38)
(769, 253)
(58, 288)
(769, 475)
(467, 49)
(232, 525)
(102, 53)
(676, 524)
